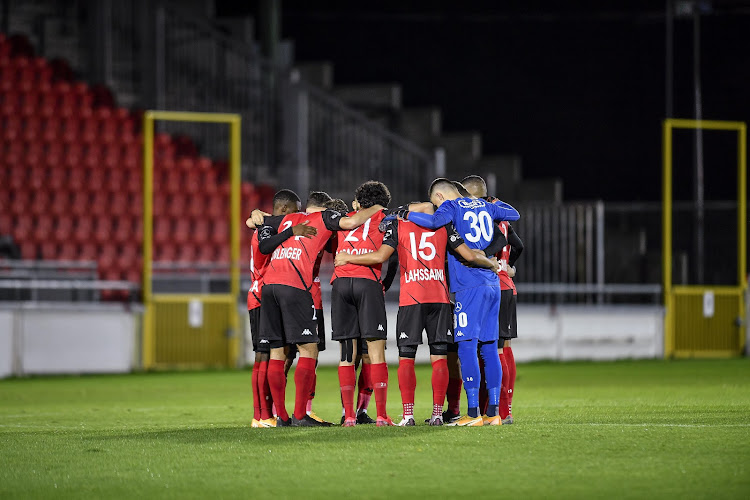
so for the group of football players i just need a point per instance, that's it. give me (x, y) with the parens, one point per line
(460, 243)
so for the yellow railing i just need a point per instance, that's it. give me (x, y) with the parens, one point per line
(163, 314)
(689, 331)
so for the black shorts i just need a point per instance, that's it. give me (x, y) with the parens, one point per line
(507, 316)
(358, 309)
(254, 329)
(435, 319)
(287, 317)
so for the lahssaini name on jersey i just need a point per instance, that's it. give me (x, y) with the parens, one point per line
(424, 275)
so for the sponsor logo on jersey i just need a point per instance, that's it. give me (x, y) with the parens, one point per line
(306, 332)
(287, 253)
(454, 238)
(458, 307)
(459, 333)
(254, 287)
(471, 204)
(380, 328)
(424, 275)
(403, 335)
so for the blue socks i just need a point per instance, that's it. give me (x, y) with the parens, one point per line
(467, 354)
(493, 372)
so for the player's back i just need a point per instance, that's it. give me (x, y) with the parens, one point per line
(473, 221)
(258, 264)
(364, 239)
(421, 257)
(293, 261)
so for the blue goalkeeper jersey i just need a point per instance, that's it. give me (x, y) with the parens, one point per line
(473, 220)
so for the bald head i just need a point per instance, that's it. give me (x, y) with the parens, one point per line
(475, 185)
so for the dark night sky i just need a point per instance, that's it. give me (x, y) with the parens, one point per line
(578, 92)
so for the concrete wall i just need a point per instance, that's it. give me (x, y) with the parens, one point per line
(67, 339)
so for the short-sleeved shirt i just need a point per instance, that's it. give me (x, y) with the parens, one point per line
(258, 263)
(292, 263)
(421, 258)
(362, 240)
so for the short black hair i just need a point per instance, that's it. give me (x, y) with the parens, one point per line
(318, 199)
(476, 181)
(461, 189)
(439, 183)
(285, 197)
(372, 193)
(338, 205)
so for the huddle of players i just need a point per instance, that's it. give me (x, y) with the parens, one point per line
(285, 308)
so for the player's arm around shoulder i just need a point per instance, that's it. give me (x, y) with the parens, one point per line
(390, 241)
(359, 218)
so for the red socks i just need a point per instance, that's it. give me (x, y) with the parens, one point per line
(264, 391)
(379, 373)
(277, 382)
(511, 372)
(303, 379)
(454, 395)
(347, 379)
(407, 383)
(256, 395)
(504, 400)
(312, 391)
(439, 385)
(365, 386)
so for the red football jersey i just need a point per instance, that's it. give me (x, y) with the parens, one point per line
(258, 263)
(421, 259)
(365, 239)
(292, 263)
(506, 282)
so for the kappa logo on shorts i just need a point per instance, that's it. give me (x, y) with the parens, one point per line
(306, 332)
(380, 328)
(263, 341)
(459, 334)
(403, 335)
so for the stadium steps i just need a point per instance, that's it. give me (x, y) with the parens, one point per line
(383, 103)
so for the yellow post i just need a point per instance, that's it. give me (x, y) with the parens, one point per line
(666, 218)
(742, 224)
(234, 167)
(148, 221)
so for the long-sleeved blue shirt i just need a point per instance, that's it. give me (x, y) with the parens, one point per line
(473, 220)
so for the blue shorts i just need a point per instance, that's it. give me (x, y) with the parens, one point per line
(476, 312)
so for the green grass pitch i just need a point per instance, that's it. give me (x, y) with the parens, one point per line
(647, 429)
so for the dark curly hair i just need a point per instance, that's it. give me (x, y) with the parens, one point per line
(372, 193)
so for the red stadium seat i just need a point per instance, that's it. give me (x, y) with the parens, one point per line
(61, 70)
(165, 252)
(63, 230)
(186, 253)
(28, 250)
(48, 250)
(88, 251)
(205, 253)
(68, 250)
(162, 231)
(83, 230)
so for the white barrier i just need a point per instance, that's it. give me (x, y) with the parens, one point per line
(58, 338)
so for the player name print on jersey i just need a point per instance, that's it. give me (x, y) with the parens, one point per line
(424, 275)
(287, 253)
